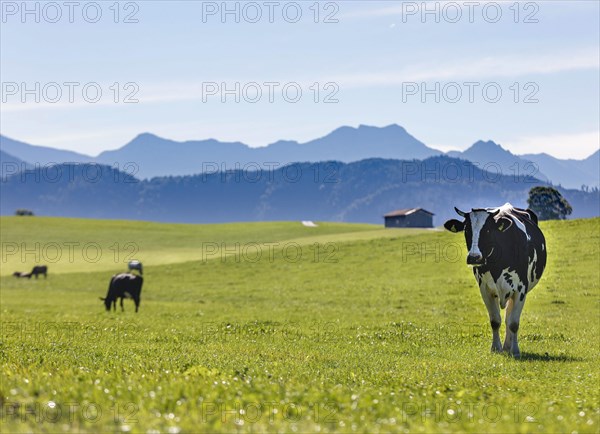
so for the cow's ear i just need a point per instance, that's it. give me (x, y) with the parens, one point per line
(503, 224)
(454, 225)
(532, 215)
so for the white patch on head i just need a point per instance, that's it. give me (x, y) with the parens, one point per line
(478, 219)
(507, 210)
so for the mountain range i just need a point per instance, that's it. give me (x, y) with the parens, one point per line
(148, 155)
(361, 191)
(10, 164)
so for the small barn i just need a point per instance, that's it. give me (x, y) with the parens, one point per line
(409, 218)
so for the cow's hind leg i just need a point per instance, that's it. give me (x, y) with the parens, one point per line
(122, 308)
(513, 323)
(495, 319)
(509, 335)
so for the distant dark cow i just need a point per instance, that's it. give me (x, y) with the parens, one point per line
(135, 265)
(38, 269)
(508, 253)
(122, 286)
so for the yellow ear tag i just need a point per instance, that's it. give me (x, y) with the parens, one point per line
(501, 226)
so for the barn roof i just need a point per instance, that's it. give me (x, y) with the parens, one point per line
(406, 211)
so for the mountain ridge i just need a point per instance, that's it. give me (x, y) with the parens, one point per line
(156, 156)
(361, 191)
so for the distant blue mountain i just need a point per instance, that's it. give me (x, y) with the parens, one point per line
(362, 191)
(41, 155)
(156, 156)
(10, 164)
(493, 158)
(147, 155)
(569, 173)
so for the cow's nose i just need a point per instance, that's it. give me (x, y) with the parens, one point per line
(473, 259)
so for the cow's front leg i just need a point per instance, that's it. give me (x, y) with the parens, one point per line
(495, 319)
(513, 323)
(509, 335)
(122, 308)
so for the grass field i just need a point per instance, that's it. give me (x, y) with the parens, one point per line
(280, 328)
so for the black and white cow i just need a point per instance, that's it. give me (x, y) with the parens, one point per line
(38, 269)
(124, 285)
(508, 253)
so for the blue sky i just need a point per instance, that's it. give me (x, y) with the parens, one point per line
(377, 59)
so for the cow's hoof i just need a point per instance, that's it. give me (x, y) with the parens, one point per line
(496, 349)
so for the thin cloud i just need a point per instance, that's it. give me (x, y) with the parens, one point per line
(413, 9)
(486, 68)
(476, 69)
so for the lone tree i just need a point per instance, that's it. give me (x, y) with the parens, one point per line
(548, 203)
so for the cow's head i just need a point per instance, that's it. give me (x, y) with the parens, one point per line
(106, 302)
(481, 227)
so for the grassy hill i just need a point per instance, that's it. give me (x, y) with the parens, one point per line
(72, 245)
(338, 328)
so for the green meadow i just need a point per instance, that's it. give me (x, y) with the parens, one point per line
(277, 327)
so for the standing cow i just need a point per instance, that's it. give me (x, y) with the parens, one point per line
(124, 285)
(508, 253)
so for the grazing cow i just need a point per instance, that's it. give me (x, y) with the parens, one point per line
(38, 269)
(124, 285)
(135, 265)
(508, 253)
